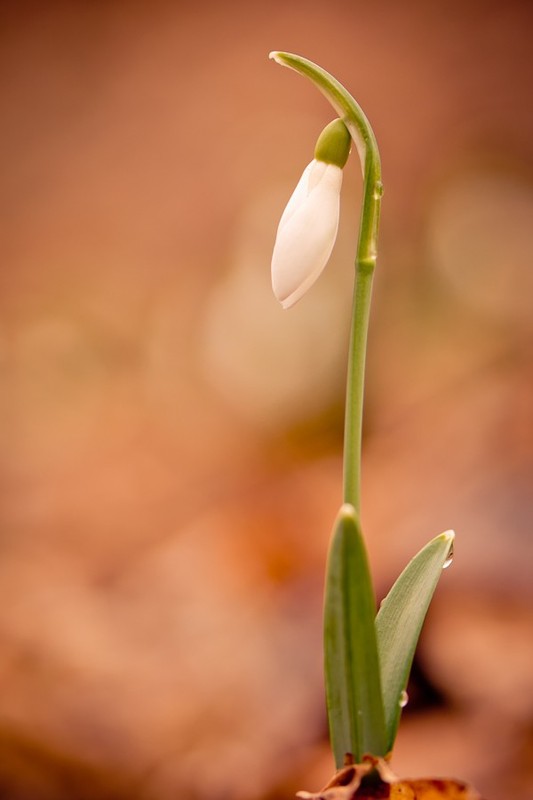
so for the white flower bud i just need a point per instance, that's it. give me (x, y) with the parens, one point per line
(306, 232)
(308, 227)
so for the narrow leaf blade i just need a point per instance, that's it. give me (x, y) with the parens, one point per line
(399, 622)
(353, 690)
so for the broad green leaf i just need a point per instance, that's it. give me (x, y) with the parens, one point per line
(399, 622)
(353, 691)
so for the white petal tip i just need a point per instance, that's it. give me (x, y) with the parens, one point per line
(289, 302)
(291, 299)
(285, 302)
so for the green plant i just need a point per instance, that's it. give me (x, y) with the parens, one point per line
(367, 656)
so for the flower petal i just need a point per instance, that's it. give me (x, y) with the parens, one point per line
(307, 232)
(298, 196)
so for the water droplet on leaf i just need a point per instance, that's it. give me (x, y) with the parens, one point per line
(404, 699)
(449, 558)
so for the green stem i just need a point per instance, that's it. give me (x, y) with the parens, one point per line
(353, 422)
(365, 141)
(365, 263)
(353, 684)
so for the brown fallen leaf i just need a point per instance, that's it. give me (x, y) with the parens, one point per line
(373, 779)
(432, 789)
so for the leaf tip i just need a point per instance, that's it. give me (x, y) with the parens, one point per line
(347, 514)
(449, 537)
(347, 510)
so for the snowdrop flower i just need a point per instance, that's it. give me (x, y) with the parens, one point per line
(308, 227)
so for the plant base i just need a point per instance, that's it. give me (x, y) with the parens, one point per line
(374, 779)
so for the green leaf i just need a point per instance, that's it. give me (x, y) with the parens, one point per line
(399, 622)
(353, 690)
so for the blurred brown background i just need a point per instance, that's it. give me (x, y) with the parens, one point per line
(170, 440)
